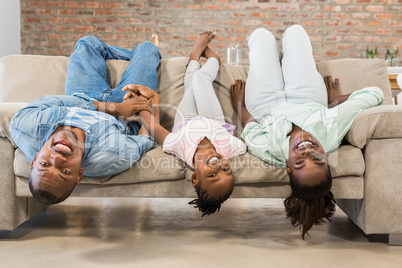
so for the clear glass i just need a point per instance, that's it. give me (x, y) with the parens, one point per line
(233, 54)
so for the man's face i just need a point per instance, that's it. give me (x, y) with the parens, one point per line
(307, 159)
(56, 168)
(212, 170)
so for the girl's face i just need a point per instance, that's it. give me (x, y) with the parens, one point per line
(213, 172)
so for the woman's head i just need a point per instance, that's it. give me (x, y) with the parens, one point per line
(309, 204)
(213, 181)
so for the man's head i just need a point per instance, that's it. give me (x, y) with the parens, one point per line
(213, 181)
(310, 177)
(56, 168)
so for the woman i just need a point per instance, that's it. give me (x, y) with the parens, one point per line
(283, 109)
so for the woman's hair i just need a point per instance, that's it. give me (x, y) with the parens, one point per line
(206, 204)
(309, 205)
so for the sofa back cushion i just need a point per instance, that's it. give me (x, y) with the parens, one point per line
(355, 74)
(24, 78)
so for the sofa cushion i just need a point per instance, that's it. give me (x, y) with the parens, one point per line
(7, 111)
(347, 161)
(155, 165)
(351, 71)
(26, 78)
(379, 122)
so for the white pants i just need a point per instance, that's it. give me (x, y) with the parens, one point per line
(297, 82)
(199, 96)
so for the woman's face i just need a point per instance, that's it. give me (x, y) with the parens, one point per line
(307, 159)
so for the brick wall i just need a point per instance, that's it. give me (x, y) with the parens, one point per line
(338, 29)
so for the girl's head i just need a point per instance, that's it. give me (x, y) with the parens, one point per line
(212, 179)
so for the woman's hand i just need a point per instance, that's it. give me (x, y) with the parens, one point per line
(138, 90)
(237, 90)
(334, 96)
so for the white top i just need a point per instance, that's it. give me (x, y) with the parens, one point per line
(184, 142)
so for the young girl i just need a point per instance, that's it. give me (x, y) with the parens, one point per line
(200, 136)
(287, 124)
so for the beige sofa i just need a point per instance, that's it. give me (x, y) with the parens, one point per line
(367, 169)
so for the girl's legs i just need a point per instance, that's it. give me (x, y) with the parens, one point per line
(207, 102)
(199, 96)
(264, 85)
(303, 83)
(87, 71)
(187, 107)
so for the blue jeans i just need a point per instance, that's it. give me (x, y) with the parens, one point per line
(87, 71)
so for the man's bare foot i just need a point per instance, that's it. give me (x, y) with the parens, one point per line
(155, 39)
(202, 41)
(209, 53)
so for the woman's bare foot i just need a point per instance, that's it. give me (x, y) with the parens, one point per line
(202, 42)
(209, 53)
(155, 39)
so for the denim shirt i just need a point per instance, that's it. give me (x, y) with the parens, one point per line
(110, 147)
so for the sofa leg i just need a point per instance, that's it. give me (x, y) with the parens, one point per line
(395, 240)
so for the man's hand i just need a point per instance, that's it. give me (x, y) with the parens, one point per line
(136, 91)
(237, 90)
(132, 106)
(334, 97)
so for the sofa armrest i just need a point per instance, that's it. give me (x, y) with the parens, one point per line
(7, 111)
(380, 122)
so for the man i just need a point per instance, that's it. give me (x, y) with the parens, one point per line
(86, 133)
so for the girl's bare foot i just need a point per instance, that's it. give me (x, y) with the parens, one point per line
(202, 41)
(209, 53)
(155, 39)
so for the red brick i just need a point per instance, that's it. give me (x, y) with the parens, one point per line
(375, 23)
(66, 12)
(65, 28)
(72, 20)
(36, 3)
(56, 36)
(213, 7)
(45, 11)
(84, 28)
(382, 32)
(104, 29)
(33, 20)
(232, 22)
(133, 21)
(194, 6)
(104, 12)
(114, 5)
(54, 4)
(54, 20)
(374, 8)
(125, 13)
(344, 46)
(332, 54)
(124, 29)
(71, 4)
(361, 15)
(332, 8)
(93, 20)
(259, 15)
(211, 22)
(93, 5)
(386, 16)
